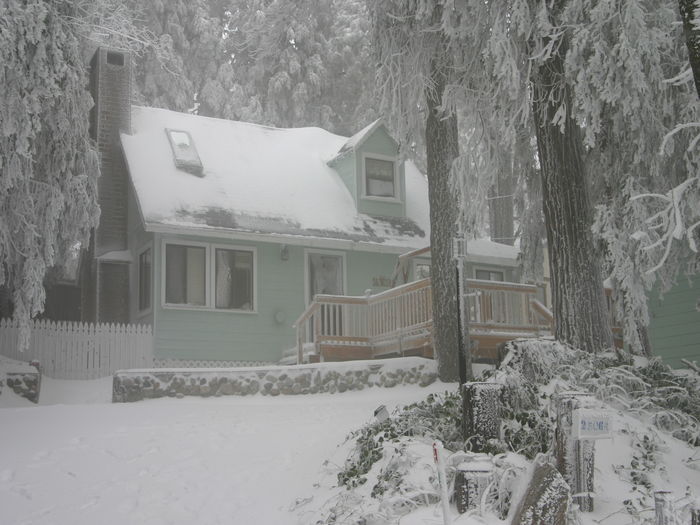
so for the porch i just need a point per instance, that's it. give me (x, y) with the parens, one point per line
(399, 321)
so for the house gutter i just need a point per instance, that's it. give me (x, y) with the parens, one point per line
(279, 238)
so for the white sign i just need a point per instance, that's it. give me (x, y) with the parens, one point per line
(591, 424)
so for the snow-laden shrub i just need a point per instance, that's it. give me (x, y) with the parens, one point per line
(669, 399)
(438, 417)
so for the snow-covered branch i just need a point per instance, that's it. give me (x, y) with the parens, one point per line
(674, 221)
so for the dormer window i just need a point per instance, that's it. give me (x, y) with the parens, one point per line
(380, 178)
(185, 153)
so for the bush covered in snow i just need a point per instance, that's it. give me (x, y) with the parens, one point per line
(388, 469)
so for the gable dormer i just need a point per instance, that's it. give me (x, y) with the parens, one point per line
(369, 165)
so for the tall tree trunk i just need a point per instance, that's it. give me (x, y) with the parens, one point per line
(578, 299)
(690, 10)
(501, 203)
(441, 151)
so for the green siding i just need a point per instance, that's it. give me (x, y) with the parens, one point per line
(138, 238)
(675, 323)
(380, 143)
(217, 335)
(345, 167)
(510, 274)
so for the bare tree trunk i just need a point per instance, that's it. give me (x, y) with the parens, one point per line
(442, 149)
(690, 10)
(579, 305)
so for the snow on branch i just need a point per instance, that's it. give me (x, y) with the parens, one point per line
(679, 208)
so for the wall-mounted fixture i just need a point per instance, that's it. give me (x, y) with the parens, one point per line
(284, 252)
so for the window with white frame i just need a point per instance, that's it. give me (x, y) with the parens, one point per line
(207, 276)
(145, 265)
(233, 279)
(380, 178)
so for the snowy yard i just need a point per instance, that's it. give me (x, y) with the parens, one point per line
(78, 459)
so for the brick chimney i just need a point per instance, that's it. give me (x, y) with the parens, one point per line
(110, 86)
(106, 289)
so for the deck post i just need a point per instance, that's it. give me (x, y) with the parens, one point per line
(300, 347)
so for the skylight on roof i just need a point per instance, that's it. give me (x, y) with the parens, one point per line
(185, 153)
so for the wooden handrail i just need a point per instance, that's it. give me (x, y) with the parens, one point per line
(399, 290)
(373, 319)
(414, 253)
(542, 310)
(477, 284)
(339, 299)
(306, 313)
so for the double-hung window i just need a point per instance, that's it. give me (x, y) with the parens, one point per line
(209, 276)
(233, 273)
(380, 178)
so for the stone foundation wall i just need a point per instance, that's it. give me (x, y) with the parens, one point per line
(23, 379)
(135, 385)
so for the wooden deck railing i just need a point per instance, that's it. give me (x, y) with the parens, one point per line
(400, 320)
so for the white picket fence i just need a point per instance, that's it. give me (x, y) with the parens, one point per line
(69, 350)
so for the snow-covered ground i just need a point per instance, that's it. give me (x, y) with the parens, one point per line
(78, 459)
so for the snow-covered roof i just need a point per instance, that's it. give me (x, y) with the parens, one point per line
(481, 250)
(258, 179)
(356, 140)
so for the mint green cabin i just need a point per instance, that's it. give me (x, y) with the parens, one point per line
(219, 234)
(234, 227)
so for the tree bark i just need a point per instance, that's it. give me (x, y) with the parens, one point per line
(441, 151)
(690, 10)
(580, 310)
(501, 204)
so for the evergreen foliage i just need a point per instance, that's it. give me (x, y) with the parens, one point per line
(48, 163)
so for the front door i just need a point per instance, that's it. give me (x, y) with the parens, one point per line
(325, 276)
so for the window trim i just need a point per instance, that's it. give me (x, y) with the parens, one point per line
(212, 269)
(145, 311)
(397, 179)
(309, 251)
(209, 276)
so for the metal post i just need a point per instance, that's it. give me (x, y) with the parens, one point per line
(459, 252)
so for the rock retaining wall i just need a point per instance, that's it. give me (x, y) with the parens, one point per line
(135, 385)
(24, 379)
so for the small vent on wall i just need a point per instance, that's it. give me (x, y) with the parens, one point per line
(185, 153)
(114, 58)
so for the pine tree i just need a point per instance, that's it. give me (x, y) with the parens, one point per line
(49, 166)
(577, 286)
(690, 15)
(415, 69)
